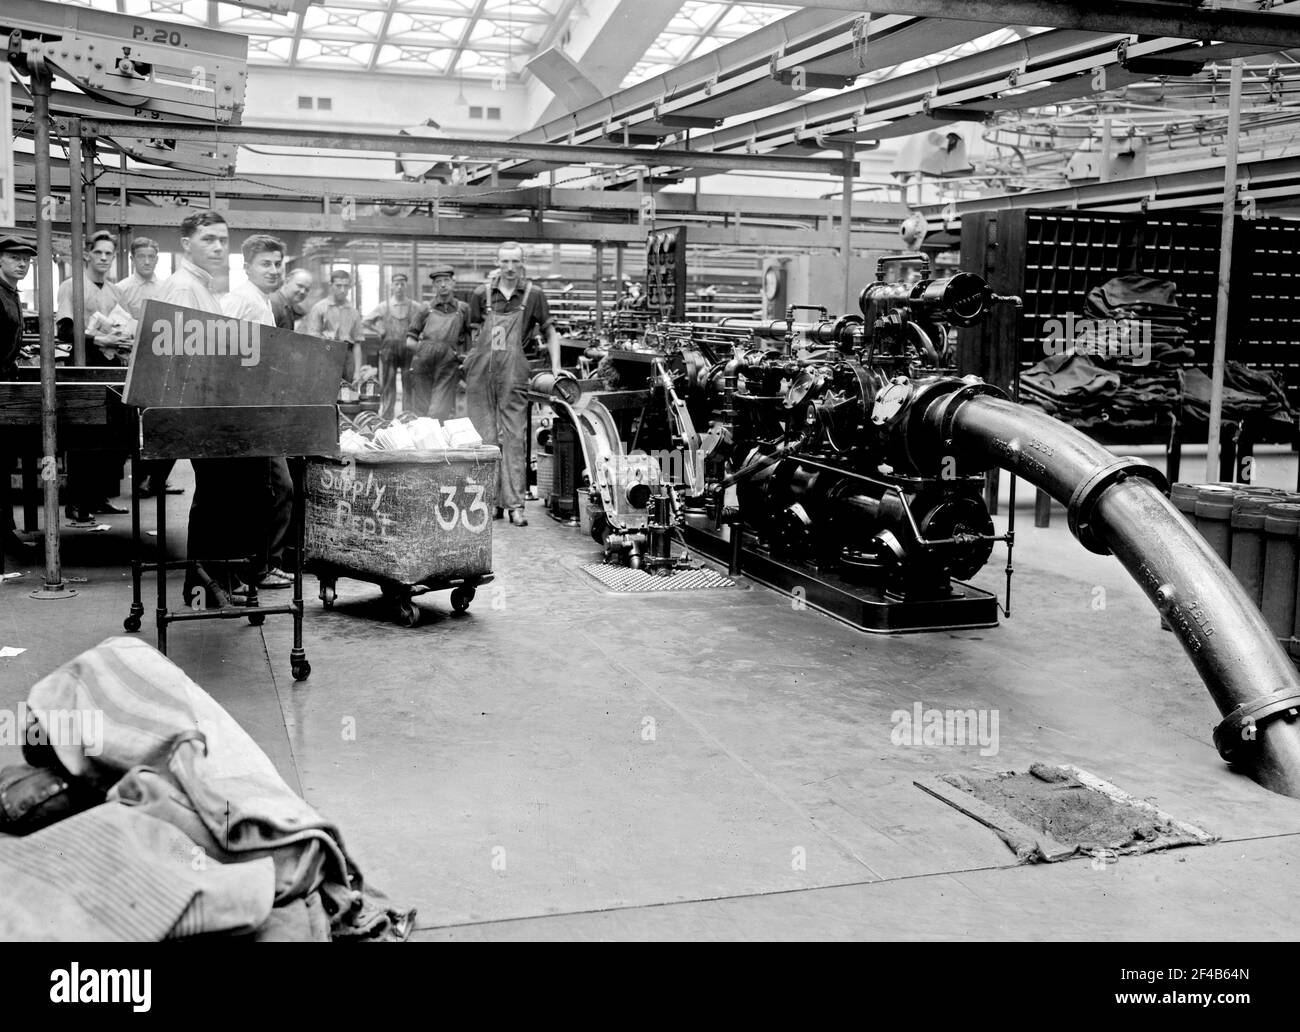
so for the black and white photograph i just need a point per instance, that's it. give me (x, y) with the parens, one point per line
(652, 471)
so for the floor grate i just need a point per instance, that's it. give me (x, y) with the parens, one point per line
(623, 579)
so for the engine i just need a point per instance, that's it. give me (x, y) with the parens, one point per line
(818, 432)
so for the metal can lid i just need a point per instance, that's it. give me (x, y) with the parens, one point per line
(1215, 508)
(1282, 518)
(1253, 502)
(1183, 496)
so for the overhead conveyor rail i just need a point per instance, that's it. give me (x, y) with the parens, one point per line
(1042, 68)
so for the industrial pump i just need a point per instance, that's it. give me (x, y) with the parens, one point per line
(829, 463)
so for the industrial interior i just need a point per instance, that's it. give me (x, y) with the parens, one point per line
(658, 471)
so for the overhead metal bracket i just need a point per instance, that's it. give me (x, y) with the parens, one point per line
(1155, 65)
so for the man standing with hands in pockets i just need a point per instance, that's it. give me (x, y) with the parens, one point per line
(503, 315)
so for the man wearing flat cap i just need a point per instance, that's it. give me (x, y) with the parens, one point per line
(393, 320)
(16, 254)
(436, 344)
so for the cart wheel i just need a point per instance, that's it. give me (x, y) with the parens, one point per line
(131, 624)
(328, 595)
(257, 619)
(461, 598)
(301, 670)
(408, 613)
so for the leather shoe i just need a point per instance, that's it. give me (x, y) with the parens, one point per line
(518, 518)
(105, 507)
(275, 578)
(78, 515)
(500, 513)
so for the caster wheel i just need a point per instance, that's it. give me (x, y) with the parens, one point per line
(257, 619)
(461, 598)
(328, 595)
(408, 614)
(131, 624)
(301, 670)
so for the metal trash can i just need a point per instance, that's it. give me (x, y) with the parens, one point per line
(409, 521)
(1214, 518)
(1248, 514)
(1277, 602)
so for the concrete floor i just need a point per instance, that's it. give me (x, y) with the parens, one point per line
(562, 763)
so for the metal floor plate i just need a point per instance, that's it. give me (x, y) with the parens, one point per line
(625, 580)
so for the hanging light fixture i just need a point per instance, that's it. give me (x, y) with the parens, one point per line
(460, 100)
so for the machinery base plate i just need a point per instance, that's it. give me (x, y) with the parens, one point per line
(859, 605)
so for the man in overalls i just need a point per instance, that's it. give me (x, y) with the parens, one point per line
(436, 344)
(393, 320)
(504, 313)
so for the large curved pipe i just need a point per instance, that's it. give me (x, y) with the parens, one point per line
(1114, 507)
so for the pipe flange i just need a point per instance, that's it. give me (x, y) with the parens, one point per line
(953, 402)
(1087, 494)
(1237, 736)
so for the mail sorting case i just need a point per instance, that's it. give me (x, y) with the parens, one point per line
(408, 521)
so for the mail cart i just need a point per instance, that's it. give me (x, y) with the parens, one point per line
(212, 387)
(409, 521)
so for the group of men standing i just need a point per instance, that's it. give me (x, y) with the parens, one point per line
(429, 347)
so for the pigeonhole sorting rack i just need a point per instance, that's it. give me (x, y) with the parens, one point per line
(409, 521)
(212, 387)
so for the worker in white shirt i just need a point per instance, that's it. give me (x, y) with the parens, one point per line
(142, 284)
(264, 267)
(251, 301)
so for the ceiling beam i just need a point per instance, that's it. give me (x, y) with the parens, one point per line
(381, 37)
(450, 147)
(465, 34)
(496, 230)
(1135, 17)
(1188, 188)
(164, 183)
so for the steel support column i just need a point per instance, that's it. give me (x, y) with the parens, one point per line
(1225, 277)
(41, 80)
(77, 248)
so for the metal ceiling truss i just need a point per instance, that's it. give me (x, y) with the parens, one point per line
(451, 148)
(1228, 23)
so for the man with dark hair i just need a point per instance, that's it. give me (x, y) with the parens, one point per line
(141, 285)
(436, 343)
(100, 296)
(16, 254)
(264, 267)
(287, 302)
(205, 241)
(393, 320)
(136, 289)
(93, 478)
(233, 498)
(505, 312)
(334, 318)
